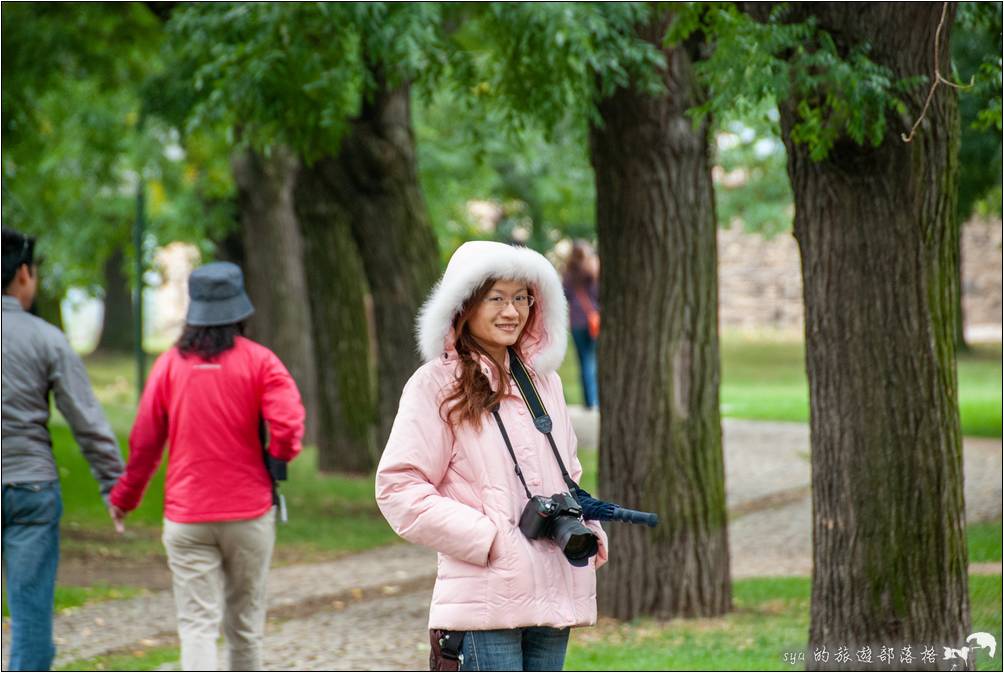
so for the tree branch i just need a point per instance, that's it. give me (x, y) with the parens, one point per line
(938, 79)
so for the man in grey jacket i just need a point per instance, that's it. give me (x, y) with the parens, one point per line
(38, 359)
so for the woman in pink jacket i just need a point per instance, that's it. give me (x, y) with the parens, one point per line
(447, 480)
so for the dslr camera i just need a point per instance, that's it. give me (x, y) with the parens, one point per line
(559, 519)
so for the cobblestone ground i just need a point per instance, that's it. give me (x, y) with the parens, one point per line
(385, 634)
(368, 611)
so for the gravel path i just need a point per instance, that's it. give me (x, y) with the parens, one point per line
(324, 616)
(334, 585)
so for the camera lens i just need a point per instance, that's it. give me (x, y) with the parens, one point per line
(574, 539)
(579, 545)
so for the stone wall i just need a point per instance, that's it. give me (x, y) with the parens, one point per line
(760, 282)
(981, 279)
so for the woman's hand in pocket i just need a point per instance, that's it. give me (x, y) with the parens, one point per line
(497, 546)
(504, 551)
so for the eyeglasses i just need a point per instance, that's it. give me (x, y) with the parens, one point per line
(521, 301)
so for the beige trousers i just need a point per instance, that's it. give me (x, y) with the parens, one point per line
(219, 571)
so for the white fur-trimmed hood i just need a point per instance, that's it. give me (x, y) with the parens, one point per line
(471, 265)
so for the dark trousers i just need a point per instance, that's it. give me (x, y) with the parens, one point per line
(585, 346)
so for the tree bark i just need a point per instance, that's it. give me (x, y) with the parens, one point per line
(117, 334)
(660, 439)
(341, 336)
(960, 319)
(375, 180)
(274, 269)
(877, 232)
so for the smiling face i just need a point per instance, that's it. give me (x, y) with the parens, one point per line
(501, 316)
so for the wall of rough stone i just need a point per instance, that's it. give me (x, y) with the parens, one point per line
(981, 278)
(760, 282)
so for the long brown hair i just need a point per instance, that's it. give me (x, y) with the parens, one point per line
(472, 395)
(580, 270)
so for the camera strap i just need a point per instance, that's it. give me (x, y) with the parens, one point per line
(541, 420)
(512, 454)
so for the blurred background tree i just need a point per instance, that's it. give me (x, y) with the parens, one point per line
(539, 186)
(325, 116)
(976, 49)
(75, 146)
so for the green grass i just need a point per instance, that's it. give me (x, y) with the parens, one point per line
(67, 598)
(571, 381)
(330, 513)
(984, 542)
(138, 660)
(771, 618)
(764, 379)
(85, 523)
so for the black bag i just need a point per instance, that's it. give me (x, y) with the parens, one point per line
(276, 470)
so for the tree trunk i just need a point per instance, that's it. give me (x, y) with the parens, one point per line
(375, 181)
(660, 439)
(273, 266)
(47, 305)
(960, 319)
(876, 228)
(231, 247)
(117, 335)
(341, 337)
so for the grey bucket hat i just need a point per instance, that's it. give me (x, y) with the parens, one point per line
(217, 295)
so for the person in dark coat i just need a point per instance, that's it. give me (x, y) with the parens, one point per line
(582, 289)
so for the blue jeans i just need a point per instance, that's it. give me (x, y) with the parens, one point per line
(534, 648)
(31, 514)
(585, 346)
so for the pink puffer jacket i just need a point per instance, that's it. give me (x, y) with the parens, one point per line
(456, 490)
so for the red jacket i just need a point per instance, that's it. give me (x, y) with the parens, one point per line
(208, 412)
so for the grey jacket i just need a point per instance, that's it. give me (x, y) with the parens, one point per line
(36, 359)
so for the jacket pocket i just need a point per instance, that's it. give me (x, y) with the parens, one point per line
(507, 548)
(449, 567)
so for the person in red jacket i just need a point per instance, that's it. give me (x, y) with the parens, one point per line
(206, 398)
